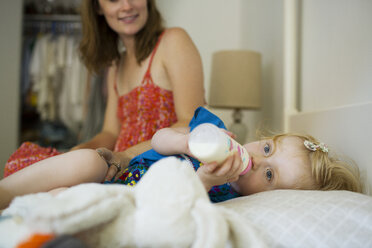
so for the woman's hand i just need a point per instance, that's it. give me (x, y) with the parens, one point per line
(212, 174)
(116, 161)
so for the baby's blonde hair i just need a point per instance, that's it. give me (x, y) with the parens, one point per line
(329, 171)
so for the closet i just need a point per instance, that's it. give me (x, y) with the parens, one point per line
(60, 105)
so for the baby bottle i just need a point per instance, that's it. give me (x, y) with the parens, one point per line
(209, 143)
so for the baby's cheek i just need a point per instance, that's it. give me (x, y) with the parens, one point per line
(249, 185)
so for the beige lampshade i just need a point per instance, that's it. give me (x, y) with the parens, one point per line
(236, 80)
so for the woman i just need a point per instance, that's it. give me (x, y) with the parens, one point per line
(155, 83)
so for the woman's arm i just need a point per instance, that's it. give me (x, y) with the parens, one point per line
(166, 141)
(111, 125)
(183, 66)
(122, 158)
(182, 63)
(170, 141)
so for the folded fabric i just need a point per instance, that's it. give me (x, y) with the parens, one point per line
(168, 208)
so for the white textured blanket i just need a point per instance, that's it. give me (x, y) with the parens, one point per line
(168, 208)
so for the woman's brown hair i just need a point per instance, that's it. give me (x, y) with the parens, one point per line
(99, 43)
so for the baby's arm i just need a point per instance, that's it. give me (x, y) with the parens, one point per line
(212, 174)
(170, 141)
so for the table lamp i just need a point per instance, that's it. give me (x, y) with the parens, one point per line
(236, 83)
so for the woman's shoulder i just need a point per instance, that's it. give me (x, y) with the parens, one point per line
(175, 32)
(175, 35)
(175, 41)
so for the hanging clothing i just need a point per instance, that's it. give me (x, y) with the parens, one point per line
(28, 44)
(53, 89)
(94, 109)
(72, 95)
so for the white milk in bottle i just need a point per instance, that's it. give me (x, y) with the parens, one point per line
(208, 143)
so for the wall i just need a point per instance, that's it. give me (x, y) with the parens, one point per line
(237, 24)
(336, 53)
(335, 78)
(10, 52)
(212, 24)
(262, 31)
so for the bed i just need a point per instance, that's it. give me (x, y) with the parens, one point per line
(170, 208)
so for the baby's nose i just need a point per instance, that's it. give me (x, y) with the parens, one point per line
(256, 161)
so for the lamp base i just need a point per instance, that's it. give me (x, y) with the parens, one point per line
(238, 128)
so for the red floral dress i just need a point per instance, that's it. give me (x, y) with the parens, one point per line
(141, 112)
(144, 110)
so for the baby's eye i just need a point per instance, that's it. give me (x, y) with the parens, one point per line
(269, 175)
(267, 148)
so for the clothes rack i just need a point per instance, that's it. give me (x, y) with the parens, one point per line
(53, 80)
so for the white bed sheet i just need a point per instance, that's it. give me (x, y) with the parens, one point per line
(298, 218)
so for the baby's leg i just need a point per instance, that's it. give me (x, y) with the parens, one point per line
(65, 170)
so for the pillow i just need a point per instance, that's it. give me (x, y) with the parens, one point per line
(300, 218)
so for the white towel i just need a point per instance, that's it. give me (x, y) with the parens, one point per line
(168, 208)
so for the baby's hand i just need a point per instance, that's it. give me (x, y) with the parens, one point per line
(212, 174)
(231, 134)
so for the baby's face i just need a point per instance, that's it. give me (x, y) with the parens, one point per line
(280, 165)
